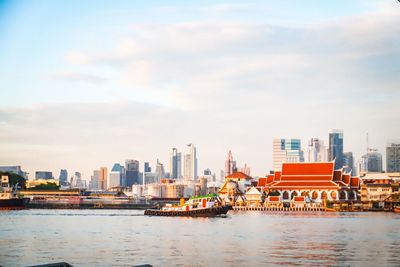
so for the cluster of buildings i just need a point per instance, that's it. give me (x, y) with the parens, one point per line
(315, 174)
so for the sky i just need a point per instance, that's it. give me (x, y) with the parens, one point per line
(85, 84)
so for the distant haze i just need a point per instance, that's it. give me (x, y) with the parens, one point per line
(87, 84)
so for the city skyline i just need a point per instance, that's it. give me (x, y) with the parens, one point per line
(132, 82)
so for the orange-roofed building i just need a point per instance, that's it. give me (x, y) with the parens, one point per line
(316, 181)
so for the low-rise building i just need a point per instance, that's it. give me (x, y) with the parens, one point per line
(375, 194)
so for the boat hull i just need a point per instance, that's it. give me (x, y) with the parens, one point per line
(13, 203)
(397, 209)
(208, 212)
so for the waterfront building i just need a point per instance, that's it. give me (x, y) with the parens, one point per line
(253, 196)
(286, 150)
(131, 172)
(317, 181)
(40, 181)
(348, 162)
(237, 183)
(370, 162)
(190, 164)
(230, 165)
(121, 169)
(393, 156)
(375, 194)
(316, 151)
(336, 148)
(63, 178)
(43, 175)
(14, 169)
(175, 164)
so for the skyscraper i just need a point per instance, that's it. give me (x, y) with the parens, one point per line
(103, 176)
(190, 165)
(63, 178)
(371, 161)
(393, 156)
(160, 170)
(316, 151)
(175, 164)
(348, 162)
(43, 175)
(230, 164)
(131, 172)
(147, 167)
(286, 150)
(94, 180)
(121, 170)
(336, 148)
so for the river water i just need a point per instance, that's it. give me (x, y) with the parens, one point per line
(127, 238)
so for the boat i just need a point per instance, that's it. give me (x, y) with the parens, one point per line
(202, 206)
(396, 209)
(9, 199)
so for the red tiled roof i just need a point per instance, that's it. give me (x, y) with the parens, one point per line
(238, 175)
(337, 175)
(346, 178)
(262, 181)
(270, 178)
(277, 176)
(313, 168)
(306, 178)
(305, 184)
(355, 182)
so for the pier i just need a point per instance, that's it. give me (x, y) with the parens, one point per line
(262, 208)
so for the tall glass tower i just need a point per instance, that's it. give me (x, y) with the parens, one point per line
(336, 148)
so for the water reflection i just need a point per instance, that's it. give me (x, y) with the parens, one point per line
(126, 238)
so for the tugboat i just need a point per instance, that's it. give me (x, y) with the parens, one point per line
(9, 199)
(202, 206)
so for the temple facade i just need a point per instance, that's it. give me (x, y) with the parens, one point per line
(316, 181)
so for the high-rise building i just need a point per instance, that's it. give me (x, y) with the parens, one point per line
(371, 161)
(207, 172)
(336, 148)
(393, 156)
(114, 179)
(147, 167)
(94, 180)
(121, 170)
(230, 164)
(175, 164)
(63, 178)
(348, 162)
(103, 176)
(78, 180)
(43, 175)
(190, 165)
(160, 170)
(316, 151)
(245, 169)
(131, 172)
(286, 150)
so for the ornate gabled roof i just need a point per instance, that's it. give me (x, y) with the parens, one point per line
(355, 182)
(308, 168)
(239, 175)
(262, 181)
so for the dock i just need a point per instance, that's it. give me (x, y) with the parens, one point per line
(263, 208)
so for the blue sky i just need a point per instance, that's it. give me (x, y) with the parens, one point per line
(89, 83)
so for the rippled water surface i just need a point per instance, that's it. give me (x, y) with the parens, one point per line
(126, 238)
